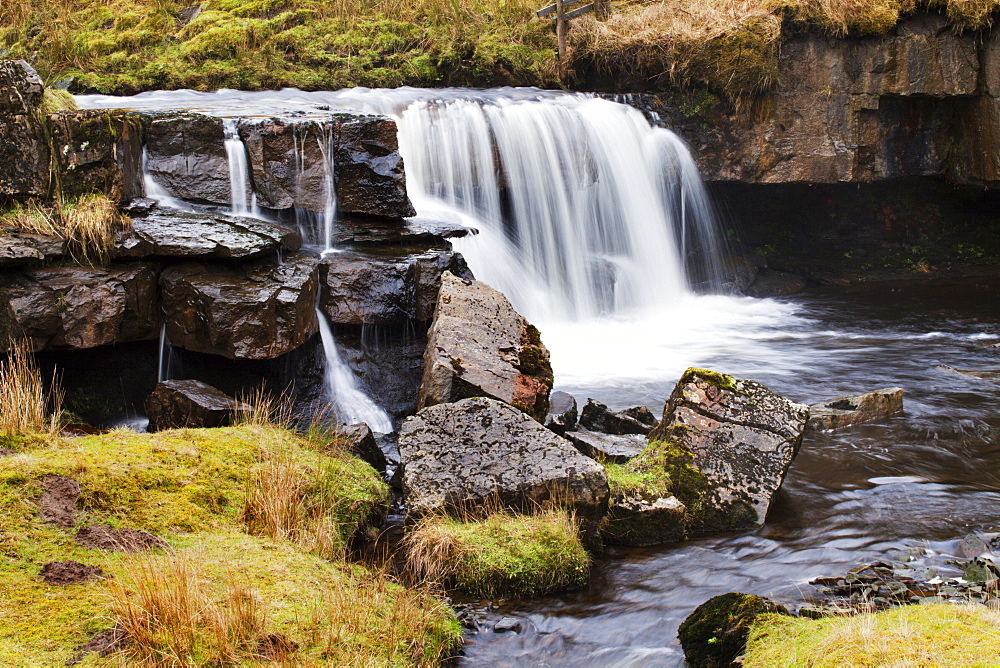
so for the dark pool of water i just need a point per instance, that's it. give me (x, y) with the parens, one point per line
(918, 481)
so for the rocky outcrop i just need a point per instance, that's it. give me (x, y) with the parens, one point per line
(479, 346)
(369, 168)
(24, 151)
(167, 233)
(97, 151)
(368, 289)
(177, 404)
(80, 307)
(462, 454)
(186, 155)
(258, 310)
(855, 409)
(20, 88)
(18, 249)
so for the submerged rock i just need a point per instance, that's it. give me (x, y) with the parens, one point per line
(479, 345)
(463, 454)
(79, 307)
(855, 409)
(716, 633)
(167, 233)
(259, 310)
(190, 403)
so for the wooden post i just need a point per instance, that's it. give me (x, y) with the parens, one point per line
(602, 8)
(561, 37)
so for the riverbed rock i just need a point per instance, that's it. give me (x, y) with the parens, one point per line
(637, 519)
(169, 233)
(176, 404)
(598, 417)
(186, 155)
(480, 450)
(80, 307)
(369, 169)
(855, 409)
(733, 440)
(369, 289)
(562, 413)
(18, 249)
(479, 345)
(363, 445)
(97, 151)
(426, 232)
(20, 88)
(716, 633)
(257, 310)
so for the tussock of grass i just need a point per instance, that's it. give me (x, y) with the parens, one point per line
(26, 406)
(55, 100)
(502, 554)
(917, 635)
(89, 224)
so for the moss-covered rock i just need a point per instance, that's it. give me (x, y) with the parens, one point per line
(717, 631)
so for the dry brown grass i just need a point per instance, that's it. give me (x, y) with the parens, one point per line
(26, 406)
(172, 615)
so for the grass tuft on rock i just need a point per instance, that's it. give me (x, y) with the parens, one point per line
(89, 224)
(915, 635)
(502, 554)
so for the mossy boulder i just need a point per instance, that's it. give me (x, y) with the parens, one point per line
(716, 633)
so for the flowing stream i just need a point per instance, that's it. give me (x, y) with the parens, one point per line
(594, 223)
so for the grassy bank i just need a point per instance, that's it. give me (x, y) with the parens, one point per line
(731, 46)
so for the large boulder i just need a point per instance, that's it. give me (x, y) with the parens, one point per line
(186, 155)
(480, 450)
(855, 409)
(479, 346)
(364, 289)
(80, 307)
(258, 310)
(24, 151)
(169, 233)
(369, 168)
(176, 404)
(97, 151)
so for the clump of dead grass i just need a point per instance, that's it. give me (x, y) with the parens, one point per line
(88, 224)
(26, 405)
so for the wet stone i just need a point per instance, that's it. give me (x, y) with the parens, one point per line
(508, 625)
(190, 403)
(855, 409)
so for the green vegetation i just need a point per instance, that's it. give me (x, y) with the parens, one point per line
(915, 635)
(88, 224)
(243, 579)
(502, 554)
(716, 632)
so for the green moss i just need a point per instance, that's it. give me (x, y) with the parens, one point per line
(720, 380)
(926, 635)
(716, 632)
(54, 101)
(503, 554)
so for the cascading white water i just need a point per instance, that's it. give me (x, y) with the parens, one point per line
(352, 404)
(239, 173)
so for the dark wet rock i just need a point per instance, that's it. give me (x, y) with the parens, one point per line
(637, 519)
(139, 207)
(102, 644)
(24, 157)
(18, 249)
(363, 289)
(363, 445)
(735, 438)
(20, 88)
(358, 231)
(562, 413)
(290, 161)
(598, 417)
(462, 454)
(186, 155)
(258, 310)
(80, 307)
(369, 168)
(508, 625)
(771, 283)
(479, 345)
(70, 572)
(717, 631)
(57, 504)
(855, 409)
(190, 403)
(166, 233)
(104, 537)
(607, 447)
(97, 151)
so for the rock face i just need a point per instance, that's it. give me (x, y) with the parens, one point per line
(98, 151)
(363, 289)
(640, 520)
(742, 438)
(190, 403)
(369, 171)
(463, 453)
(479, 345)
(24, 248)
(258, 310)
(855, 409)
(186, 155)
(166, 233)
(80, 307)
(24, 151)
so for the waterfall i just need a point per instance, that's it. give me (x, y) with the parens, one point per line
(239, 174)
(351, 403)
(584, 209)
(166, 356)
(317, 229)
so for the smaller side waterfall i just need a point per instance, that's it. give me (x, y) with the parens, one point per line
(239, 173)
(166, 356)
(155, 191)
(314, 163)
